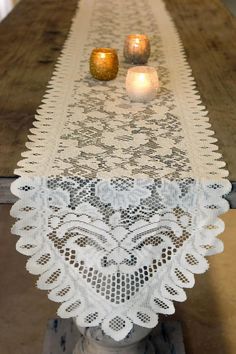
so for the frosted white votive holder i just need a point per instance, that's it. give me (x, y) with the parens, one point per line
(142, 83)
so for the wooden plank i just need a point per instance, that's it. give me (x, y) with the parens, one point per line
(208, 32)
(6, 197)
(31, 39)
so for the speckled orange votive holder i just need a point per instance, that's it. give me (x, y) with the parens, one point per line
(137, 49)
(104, 64)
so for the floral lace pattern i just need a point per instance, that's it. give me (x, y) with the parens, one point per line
(90, 128)
(117, 266)
(119, 202)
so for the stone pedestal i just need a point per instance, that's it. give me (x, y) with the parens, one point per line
(63, 337)
(94, 341)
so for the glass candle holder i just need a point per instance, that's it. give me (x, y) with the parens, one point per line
(137, 49)
(142, 83)
(104, 64)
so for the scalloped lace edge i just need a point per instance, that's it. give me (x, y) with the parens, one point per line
(201, 147)
(50, 117)
(80, 291)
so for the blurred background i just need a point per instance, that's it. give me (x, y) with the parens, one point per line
(231, 4)
(7, 5)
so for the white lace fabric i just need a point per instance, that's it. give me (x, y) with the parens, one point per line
(119, 202)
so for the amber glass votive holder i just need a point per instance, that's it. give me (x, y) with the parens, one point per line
(137, 49)
(104, 64)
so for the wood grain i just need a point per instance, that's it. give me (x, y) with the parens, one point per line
(31, 39)
(208, 32)
(6, 197)
(32, 36)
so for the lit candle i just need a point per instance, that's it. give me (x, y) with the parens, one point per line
(142, 83)
(104, 64)
(137, 49)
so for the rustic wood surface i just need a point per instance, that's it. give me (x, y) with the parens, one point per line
(31, 39)
(208, 32)
(32, 36)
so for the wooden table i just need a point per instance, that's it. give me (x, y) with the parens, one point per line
(31, 39)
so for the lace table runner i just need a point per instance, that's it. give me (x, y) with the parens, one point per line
(119, 201)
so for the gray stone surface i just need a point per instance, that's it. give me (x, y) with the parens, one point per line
(231, 4)
(62, 335)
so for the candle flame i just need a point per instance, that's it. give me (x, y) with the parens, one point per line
(103, 55)
(141, 77)
(136, 43)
